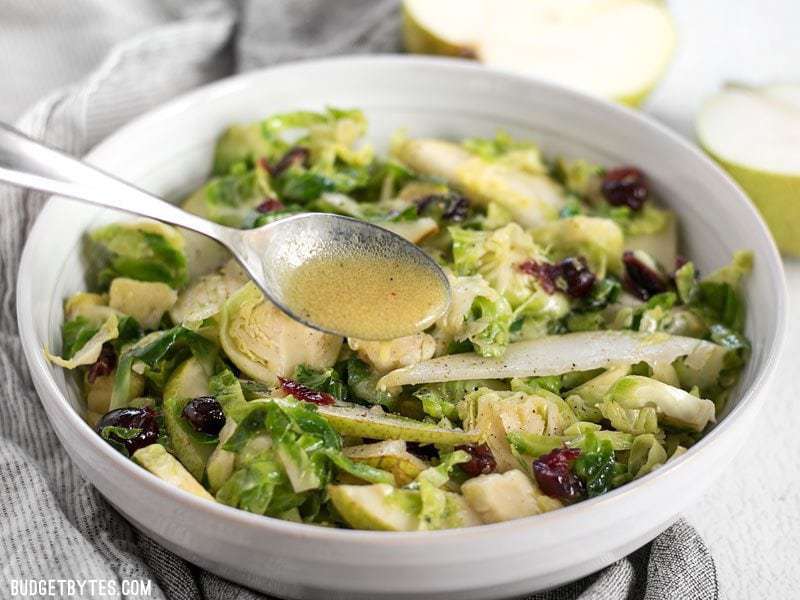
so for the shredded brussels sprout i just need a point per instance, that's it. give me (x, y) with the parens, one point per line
(578, 352)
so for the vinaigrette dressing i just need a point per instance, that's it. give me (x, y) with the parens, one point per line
(366, 296)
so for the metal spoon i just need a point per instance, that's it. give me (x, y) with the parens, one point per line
(280, 246)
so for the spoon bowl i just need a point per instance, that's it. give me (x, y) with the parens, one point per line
(273, 253)
(269, 254)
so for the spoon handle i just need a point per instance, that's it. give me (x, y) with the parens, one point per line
(27, 163)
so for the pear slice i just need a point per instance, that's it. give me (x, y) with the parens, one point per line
(614, 48)
(161, 463)
(188, 381)
(374, 423)
(442, 27)
(385, 508)
(391, 456)
(754, 133)
(378, 507)
(221, 462)
(512, 495)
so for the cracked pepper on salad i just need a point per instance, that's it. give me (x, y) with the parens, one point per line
(580, 350)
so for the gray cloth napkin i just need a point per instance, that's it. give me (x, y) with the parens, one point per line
(53, 523)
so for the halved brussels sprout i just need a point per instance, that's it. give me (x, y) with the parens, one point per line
(265, 343)
(231, 199)
(241, 142)
(143, 250)
(203, 255)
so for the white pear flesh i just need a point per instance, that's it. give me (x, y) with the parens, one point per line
(445, 27)
(754, 133)
(612, 48)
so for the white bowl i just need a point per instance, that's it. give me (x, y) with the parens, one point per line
(168, 152)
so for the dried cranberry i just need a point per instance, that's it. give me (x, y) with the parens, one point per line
(481, 461)
(577, 276)
(553, 473)
(204, 414)
(143, 419)
(571, 275)
(454, 206)
(625, 186)
(424, 451)
(105, 363)
(304, 393)
(545, 273)
(426, 201)
(270, 205)
(456, 209)
(295, 156)
(641, 279)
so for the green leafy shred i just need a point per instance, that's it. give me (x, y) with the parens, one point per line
(144, 251)
(75, 333)
(596, 465)
(362, 384)
(160, 353)
(328, 381)
(281, 457)
(113, 434)
(293, 470)
(227, 389)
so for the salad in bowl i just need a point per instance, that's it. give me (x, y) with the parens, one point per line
(579, 351)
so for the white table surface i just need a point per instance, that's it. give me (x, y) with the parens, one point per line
(751, 517)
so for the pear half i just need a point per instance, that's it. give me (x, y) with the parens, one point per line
(754, 133)
(616, 49)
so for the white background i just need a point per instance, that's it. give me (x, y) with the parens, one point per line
(751, 518)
